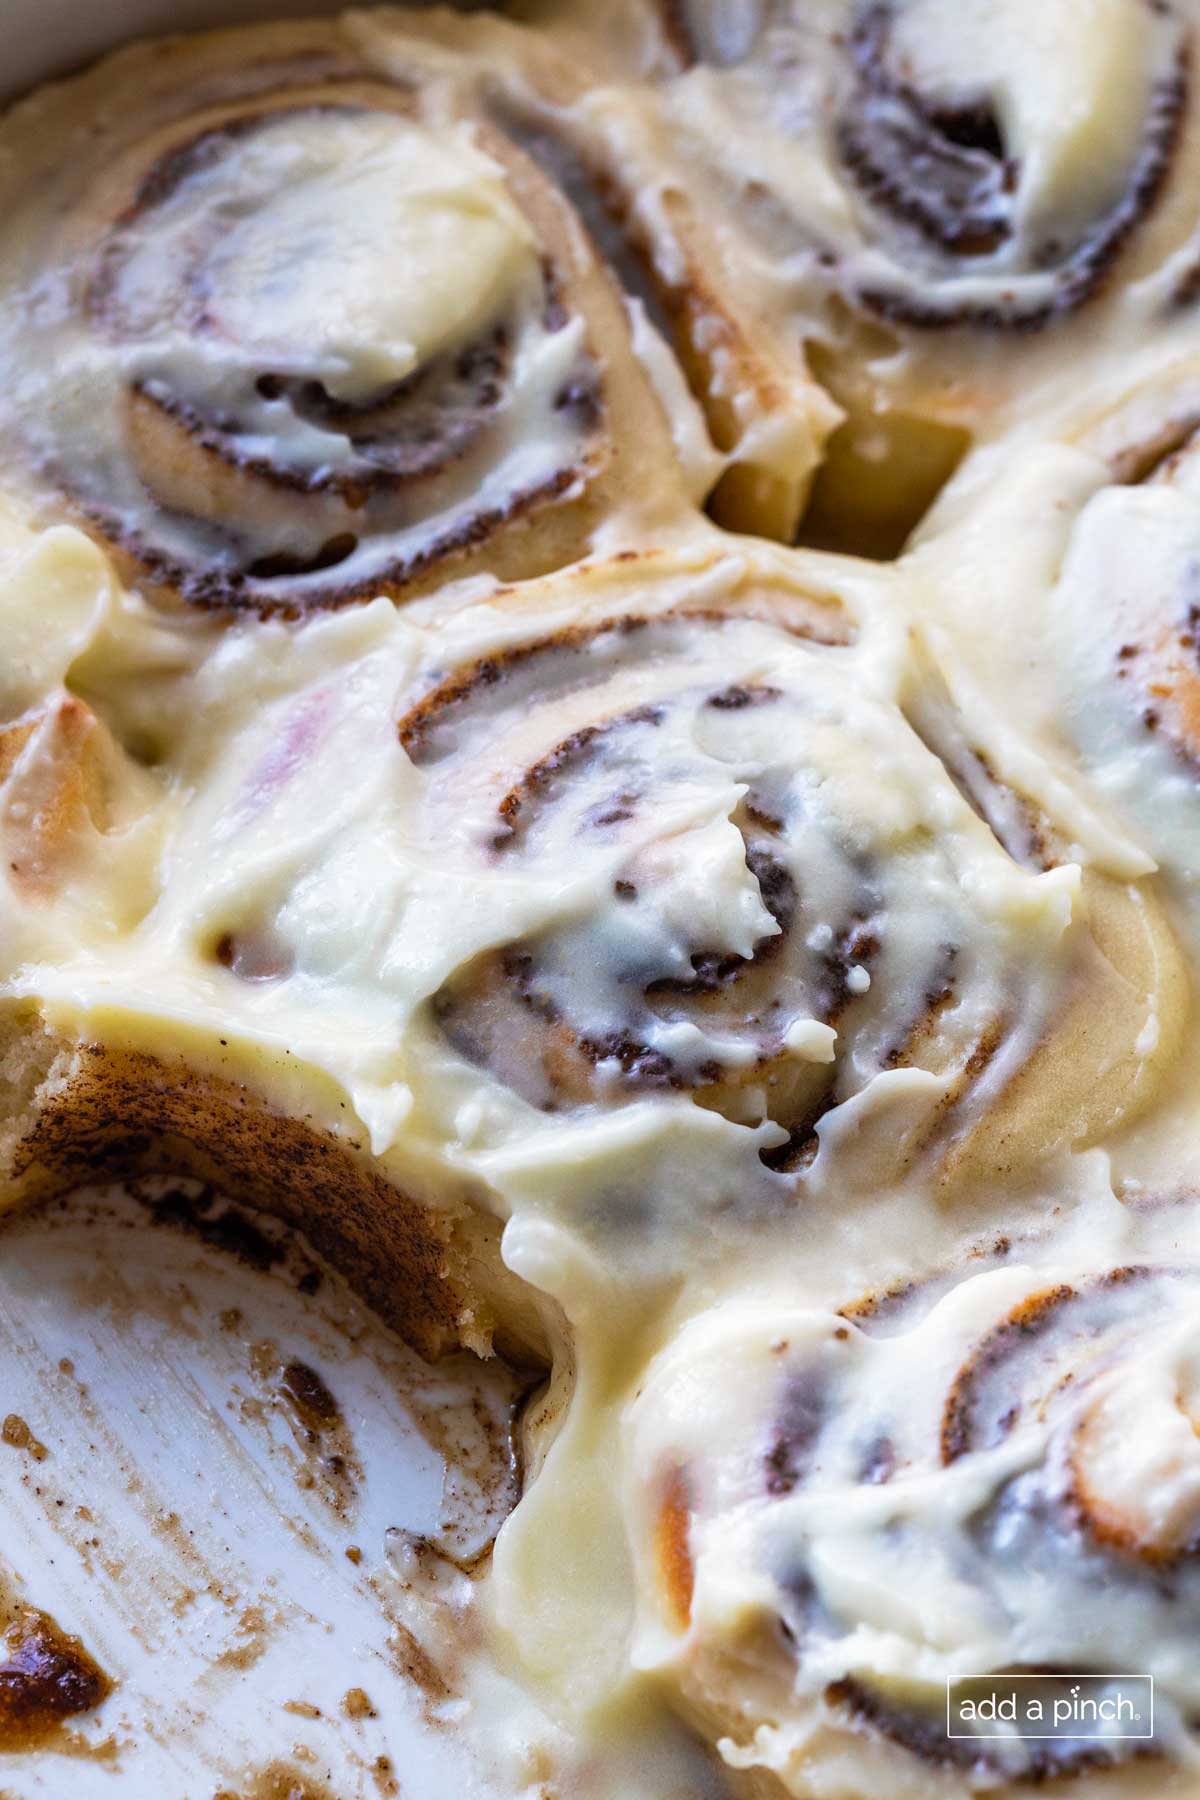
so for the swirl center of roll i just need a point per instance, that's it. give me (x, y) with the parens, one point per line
(738, 895)
(303, 337)
(336, 246)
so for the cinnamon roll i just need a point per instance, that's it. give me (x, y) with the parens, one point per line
(1090, 614)
(614, 958)
(288, 320)
(777, 903)
(837, 1514)
(897, 213)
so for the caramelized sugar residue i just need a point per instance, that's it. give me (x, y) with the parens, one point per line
(329, 1461)
(46, 1676)
(221, 1226)
(411, 1660)
(278, 1781)
(197, 1210)
(357, 1704)
(17, 1435)
(308, 1393)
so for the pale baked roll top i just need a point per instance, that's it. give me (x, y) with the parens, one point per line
(290, 321)
(835, 1515)
(902, 204)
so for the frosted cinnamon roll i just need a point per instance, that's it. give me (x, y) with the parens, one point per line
(288, 320)
(1088, 616)
(835, 1515)
(897, 212)
(737, 876)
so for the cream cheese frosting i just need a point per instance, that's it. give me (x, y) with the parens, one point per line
(836, 1517)
(907, 211)
(307, 323)
(788, 953)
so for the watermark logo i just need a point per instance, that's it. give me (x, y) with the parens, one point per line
(1078, 1707)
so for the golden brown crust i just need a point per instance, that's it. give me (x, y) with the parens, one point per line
(96, 1112)
(72, 791)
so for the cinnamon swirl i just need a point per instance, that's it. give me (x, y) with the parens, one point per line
(617, 957)
(288, 320)
(711, 889)
(779, 900)
(870, 1504)
(897, 216)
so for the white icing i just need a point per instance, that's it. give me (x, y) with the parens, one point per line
(747, 929)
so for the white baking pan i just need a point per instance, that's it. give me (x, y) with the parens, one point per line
(210, 1474)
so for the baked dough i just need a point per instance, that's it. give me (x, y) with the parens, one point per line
(746, 981)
